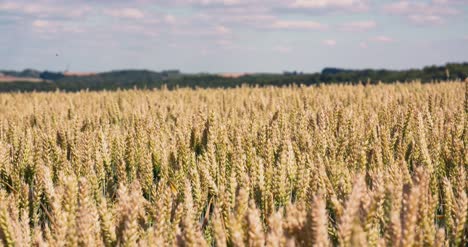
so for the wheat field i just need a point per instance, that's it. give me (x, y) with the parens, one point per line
(335, 165)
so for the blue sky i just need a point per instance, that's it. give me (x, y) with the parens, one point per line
(231, 35)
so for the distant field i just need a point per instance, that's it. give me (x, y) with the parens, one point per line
(4, 78)
(330, 165)
(14, 79)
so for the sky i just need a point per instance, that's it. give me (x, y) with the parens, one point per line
(231, 35)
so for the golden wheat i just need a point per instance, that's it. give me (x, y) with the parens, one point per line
(381, 165)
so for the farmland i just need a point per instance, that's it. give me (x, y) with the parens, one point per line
(376, 165)
(6, 79)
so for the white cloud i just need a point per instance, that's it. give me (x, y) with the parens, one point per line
(330, 4)
(359, 26)
(426, 19)
(40, 23)
(29, 8)
(297, 25)
(420, 13)
(329, 42)
(129, 13)
(222, 30)
(451, 1)
(170, 19)
(45, 10)
(213, 2)
(418, 7)
(382, 39)
(363, 45)
(52, 27)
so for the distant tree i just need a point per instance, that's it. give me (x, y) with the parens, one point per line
(51, 76)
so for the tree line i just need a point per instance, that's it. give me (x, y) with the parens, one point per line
(127, 79)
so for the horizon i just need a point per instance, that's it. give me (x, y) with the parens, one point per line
(232, 36)
(232, 72)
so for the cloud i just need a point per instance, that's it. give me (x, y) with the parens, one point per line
(329, 42)
(29, 8)
(200, 15)
(130, 13)
(455, 2)
(354, 5)
(414, 7)
(423, 13)
(212, 2)
(382, 39)
(170, 19)
(358, 26)
(43, 10)
(229, 24)
(53, 27)
(40, 24)
(426, 19)
(297, 25)
(222, 30)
